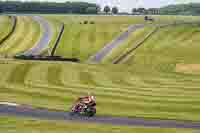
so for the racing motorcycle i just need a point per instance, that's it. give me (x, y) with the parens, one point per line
(83, 109)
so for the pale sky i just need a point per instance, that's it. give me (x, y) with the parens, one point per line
(127, 5)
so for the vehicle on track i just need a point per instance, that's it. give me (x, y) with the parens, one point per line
(84, 106)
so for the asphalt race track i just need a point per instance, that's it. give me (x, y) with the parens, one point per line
(26, 111)
(115, 43)
(44, 41)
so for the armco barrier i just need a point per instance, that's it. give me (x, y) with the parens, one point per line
(58, 39)
(46, 58)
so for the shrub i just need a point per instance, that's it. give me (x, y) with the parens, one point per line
(92, 22)
(85, 22)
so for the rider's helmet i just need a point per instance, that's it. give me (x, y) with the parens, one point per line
(91, 96)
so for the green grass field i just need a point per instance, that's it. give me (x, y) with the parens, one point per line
(25, 36)
(24, 125)
(177, 44)
(138, 92)
(133, 40)
(5, 26)
(83, 40)
(148, 84)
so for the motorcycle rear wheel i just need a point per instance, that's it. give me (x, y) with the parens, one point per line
(90, 112)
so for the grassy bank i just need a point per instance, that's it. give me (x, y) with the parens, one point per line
(25, 36)
(83, 40)
(138, 92)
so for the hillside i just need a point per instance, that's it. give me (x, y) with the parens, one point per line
(151, 80)
(182, 9)
(159, 80)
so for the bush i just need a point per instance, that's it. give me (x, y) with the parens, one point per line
(85, 22)
(92, 22)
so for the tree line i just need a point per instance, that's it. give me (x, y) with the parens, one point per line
(180, 9)
(53, 7)
(91, 8)
(49, 7)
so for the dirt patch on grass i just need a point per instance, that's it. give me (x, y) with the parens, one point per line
(188, 68)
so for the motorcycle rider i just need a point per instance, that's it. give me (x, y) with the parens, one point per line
(87, 101)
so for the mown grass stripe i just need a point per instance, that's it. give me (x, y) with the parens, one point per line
(18, 75)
